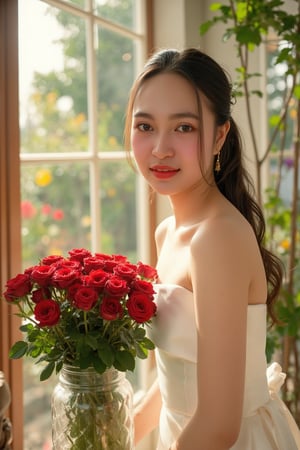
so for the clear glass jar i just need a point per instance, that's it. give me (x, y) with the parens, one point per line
(92, 411)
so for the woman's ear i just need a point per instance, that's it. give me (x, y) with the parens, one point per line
(222, 131)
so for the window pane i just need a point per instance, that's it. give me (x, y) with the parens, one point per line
(53, 92)
(118, 206)
(55, 209)
(119, 11)
(115, 68)
(80, 3)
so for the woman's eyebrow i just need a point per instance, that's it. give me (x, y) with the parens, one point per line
(179, 115)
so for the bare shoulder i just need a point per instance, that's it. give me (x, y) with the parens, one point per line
(230, 235)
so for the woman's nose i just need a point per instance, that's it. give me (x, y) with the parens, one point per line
(162, 147)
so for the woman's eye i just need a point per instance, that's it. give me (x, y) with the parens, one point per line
(144, 127)
(185, 128)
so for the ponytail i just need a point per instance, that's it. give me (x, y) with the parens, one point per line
(236, 185)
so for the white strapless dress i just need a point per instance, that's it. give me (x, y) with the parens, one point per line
(267, 423)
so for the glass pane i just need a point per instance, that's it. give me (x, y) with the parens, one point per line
(55, 209)
(122, 12)
(53, 98)
(115, 68)
(118, 209)
(80, 3)
(37, 407)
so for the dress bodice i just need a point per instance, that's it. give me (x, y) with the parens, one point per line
(174, 333)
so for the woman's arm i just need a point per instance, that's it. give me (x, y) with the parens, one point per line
(221, 277)
(146, 415)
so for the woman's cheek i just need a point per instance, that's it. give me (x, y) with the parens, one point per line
(139, 147)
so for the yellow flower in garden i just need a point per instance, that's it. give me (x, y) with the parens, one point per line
(79, 119)
(111, 192)
(112, 141)
(55, 251)
(285, 244)
(51, 98)
(86, 221)
(43, 177)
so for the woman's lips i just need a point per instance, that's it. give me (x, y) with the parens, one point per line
(163, 172)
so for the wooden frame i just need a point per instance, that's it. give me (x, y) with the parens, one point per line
(10, 236)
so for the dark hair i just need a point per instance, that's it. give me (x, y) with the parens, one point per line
(207, 76)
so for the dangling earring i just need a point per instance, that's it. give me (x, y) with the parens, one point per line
(218, 164)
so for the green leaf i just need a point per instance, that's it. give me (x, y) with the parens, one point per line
(241, 11)
(147, 343)
(85, 360)
(34, 351)
(47, 371)
(297, 91)
(244, 35)
(141, 352)
(124, 361)
(215, 6)
(139, 333)
(26, 328)
(283, 56)
(106, 354)
(274, 120)
(99, 366)
(258, 93)
(18, 350)
(91, 341)
(204, 27)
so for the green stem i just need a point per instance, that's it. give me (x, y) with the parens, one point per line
(85, 321)
(61, 336)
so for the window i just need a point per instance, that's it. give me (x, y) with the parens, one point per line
(77, 61)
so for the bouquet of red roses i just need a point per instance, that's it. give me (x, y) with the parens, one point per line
(86, 310)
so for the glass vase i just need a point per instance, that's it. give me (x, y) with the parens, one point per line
(92, 411)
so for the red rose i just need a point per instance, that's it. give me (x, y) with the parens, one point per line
(111, 309)
(143, 286)
(47, 313)
(29, 270)
(140, 308)
(103, 256)
(64, 277)
(40, 294)
(126, 270)
(148, 272)
(92, 263)
(116, 287)
(109, 265)
(52, 259)
(85, 298)
(42, 275)
(120, 258)
(78, 254)
(17, 287)
(97, 278)
(73, 289)
(76, 265)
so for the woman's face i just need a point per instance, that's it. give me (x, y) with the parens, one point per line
(165, 135)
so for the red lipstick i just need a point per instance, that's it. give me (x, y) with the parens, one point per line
(163, 172)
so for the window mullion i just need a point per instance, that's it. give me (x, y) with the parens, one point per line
(92, 95)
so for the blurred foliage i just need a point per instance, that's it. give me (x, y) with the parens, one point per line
(56, 201)
(251, 24)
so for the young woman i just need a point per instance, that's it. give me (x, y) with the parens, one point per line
(217, 281)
